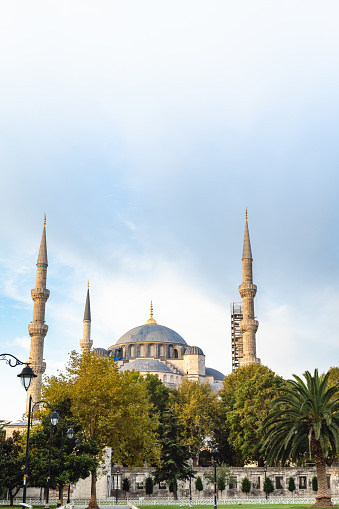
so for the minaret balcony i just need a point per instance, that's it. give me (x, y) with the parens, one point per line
(248, 290)
(37, 329)
(40, 294)
(248, 325)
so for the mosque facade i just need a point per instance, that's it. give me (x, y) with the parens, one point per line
(148, 348)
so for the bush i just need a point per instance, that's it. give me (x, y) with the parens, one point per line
(291, 484)
(246, 485)
(315, 483)
(268, 486)
(149, 485)
(126, 484)
(198, 484)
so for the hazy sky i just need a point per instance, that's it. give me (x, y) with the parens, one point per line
(143, 130)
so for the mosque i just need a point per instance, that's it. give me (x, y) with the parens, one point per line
(148, 348)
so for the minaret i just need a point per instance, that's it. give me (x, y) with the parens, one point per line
(247, 290)
(86, 342)
(38, 329)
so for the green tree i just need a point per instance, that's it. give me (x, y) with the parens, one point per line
(158, 393)
(11, 463)
(195, 405)
(112, 407)
(66, 466)
(126, 484)
(246, 485)
(291, 485)
(246, 396)
(310, 411)
(268, 486)
(198, 484)
(221, 481)
(174, 454)
(149, 485)
(314, 483)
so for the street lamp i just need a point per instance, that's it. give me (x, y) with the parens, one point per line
(26, 374)
(54, 421)
(265, 472)
(76, 450)
(69, 434)
(215, 454)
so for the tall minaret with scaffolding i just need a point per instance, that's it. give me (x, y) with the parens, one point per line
(38, 329)
(248, 325)
(86, 342)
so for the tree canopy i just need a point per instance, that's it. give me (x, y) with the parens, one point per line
(305, 410)
(112, 407)
(245, 397)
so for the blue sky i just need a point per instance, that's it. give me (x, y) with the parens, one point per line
(143, 130)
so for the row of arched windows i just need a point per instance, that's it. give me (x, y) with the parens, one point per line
(152, 350)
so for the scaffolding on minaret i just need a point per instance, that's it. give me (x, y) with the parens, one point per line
(236, 336)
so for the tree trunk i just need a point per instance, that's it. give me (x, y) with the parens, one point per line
(11, 498)
(323, 498)
(93, 502)
(61, 493)
(175, 491)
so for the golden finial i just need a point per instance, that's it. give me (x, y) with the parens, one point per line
(44, 220)
(246, 214)
(151, 319)
(88, 284)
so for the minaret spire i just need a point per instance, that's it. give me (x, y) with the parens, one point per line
(248, 290)
(151, 320)
(38, 329)
(86, 342)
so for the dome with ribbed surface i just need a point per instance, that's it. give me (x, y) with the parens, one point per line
(153, 333)
(215, 373)
(193, 350)
(148, 365)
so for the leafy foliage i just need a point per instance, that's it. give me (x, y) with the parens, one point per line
(149, 485)
(246, 396)
(174, 454)
(224, 476)
(112, 408)
(126, 484)
(11, 463)
(291, 484)
(195, 404)
(310, 413)
(198, 484)
(246, 485)
(268, 485)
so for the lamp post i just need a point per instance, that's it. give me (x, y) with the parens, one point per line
(76, 450)
(54, 422)
(190, 464)
(26, 377)
(69, 434)
(265, 472)
(215, 454)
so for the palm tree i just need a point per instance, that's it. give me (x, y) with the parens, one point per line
(304, 411)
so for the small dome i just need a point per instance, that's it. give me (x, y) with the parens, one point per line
(193, 350)
(153, 333)
(102, 352)
(150, 365)
(215, 373)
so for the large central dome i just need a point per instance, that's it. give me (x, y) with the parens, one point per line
(152, 333)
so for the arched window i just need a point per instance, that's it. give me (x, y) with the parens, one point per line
(138, 351)
(172, 379)
(149, 350)
(161, 350)
(176, 355)
(165, 379)
(131, 351)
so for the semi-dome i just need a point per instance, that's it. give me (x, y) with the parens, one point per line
(147, 365)
(102, 352)
(217, 375)
(193, 350)
(151, 333)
